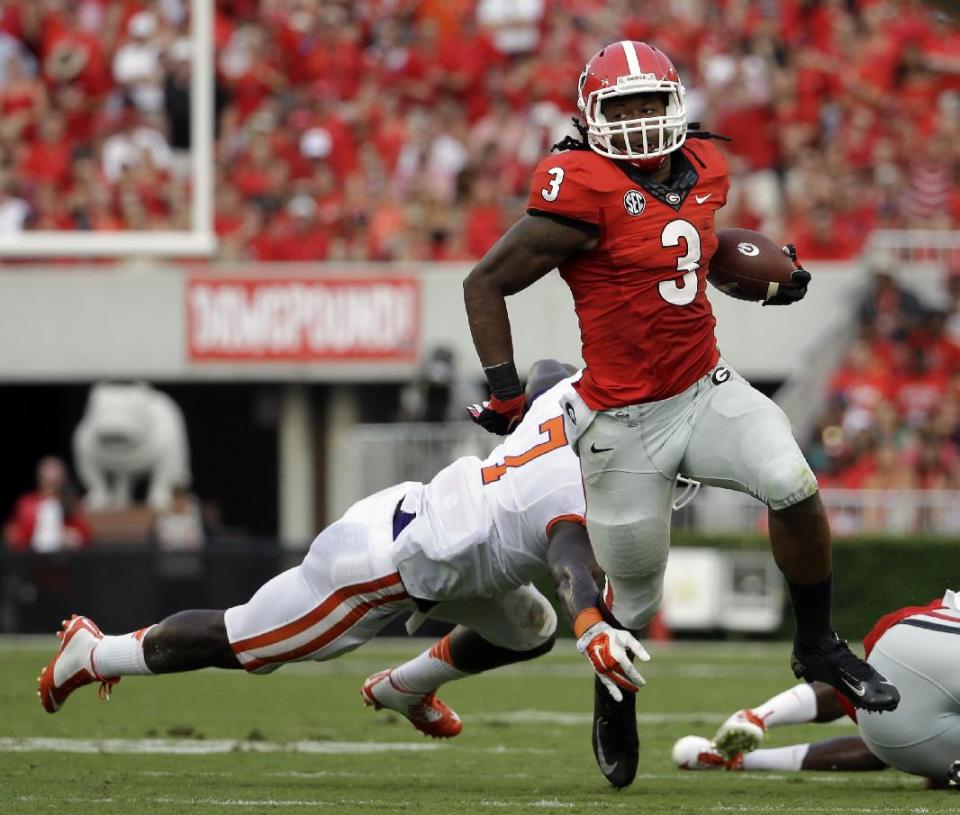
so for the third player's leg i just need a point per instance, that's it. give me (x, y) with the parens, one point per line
(845, 754)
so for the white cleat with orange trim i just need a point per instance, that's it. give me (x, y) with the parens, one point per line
(743, 732)
(424, 710)
(698, 753)
(72, 665)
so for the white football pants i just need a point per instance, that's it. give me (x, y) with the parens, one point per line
(347, 589)
(922, 736)
(720, 431)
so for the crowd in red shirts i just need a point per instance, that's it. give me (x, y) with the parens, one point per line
(407, 129)
(49, 518)
(894, 415)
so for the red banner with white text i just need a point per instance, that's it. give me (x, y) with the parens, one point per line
(303, 319)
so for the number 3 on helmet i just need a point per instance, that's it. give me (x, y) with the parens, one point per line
(622, 69)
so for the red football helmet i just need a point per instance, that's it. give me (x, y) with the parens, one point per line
(622, 69)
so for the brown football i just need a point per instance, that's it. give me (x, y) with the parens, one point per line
(748, 265)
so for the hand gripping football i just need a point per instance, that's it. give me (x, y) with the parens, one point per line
(748, 265)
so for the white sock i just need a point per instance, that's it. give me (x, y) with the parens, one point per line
(121, 656)
(795, 706)
(789, 759)
(428, 671)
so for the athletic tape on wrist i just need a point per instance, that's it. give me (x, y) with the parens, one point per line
(585, 620)
(504, 380)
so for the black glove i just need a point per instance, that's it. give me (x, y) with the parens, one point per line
(499, 416)
(791, 294)
(507, 405)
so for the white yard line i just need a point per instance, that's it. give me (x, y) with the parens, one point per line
(181, 773)
(206, 746)
(321, 774)
(220, 746)
(158, 746)
(543, 803)
(256, 802)
(549, 803)
(220, 802)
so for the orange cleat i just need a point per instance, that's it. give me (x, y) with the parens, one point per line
(424, 710)
(698, 753)
(72, 665)
(743, 732)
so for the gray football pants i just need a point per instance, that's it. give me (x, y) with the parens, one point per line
(922, 736)
(720, 431)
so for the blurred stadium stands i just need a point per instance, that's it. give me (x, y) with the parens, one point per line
(407, 130)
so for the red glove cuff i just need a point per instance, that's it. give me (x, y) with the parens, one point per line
(508, 407)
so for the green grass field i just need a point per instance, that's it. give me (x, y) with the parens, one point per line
(301, 739)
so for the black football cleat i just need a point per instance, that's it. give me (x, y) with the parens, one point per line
(953, 776)
(616, 745)
(831, 661)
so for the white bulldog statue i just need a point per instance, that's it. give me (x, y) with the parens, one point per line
(130, 431)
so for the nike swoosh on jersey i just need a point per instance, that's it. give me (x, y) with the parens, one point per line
(595, 449)
(702, 198)
(601, 758)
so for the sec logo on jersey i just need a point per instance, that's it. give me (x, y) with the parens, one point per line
(634, 203)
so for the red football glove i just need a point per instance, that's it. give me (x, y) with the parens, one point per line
(499, 416)
(611, 652)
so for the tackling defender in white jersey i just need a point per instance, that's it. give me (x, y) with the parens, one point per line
(462, 548)
(918, 648)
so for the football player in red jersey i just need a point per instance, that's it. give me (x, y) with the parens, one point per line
(918, 648)
(627, 215)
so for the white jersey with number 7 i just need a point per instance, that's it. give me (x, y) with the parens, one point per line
(482, 527)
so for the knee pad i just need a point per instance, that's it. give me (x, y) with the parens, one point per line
(535, 621)
(630, 547)
(786, 479)
(634, 601)
(634, 557)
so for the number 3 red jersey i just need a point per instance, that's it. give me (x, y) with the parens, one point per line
(645, 321)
